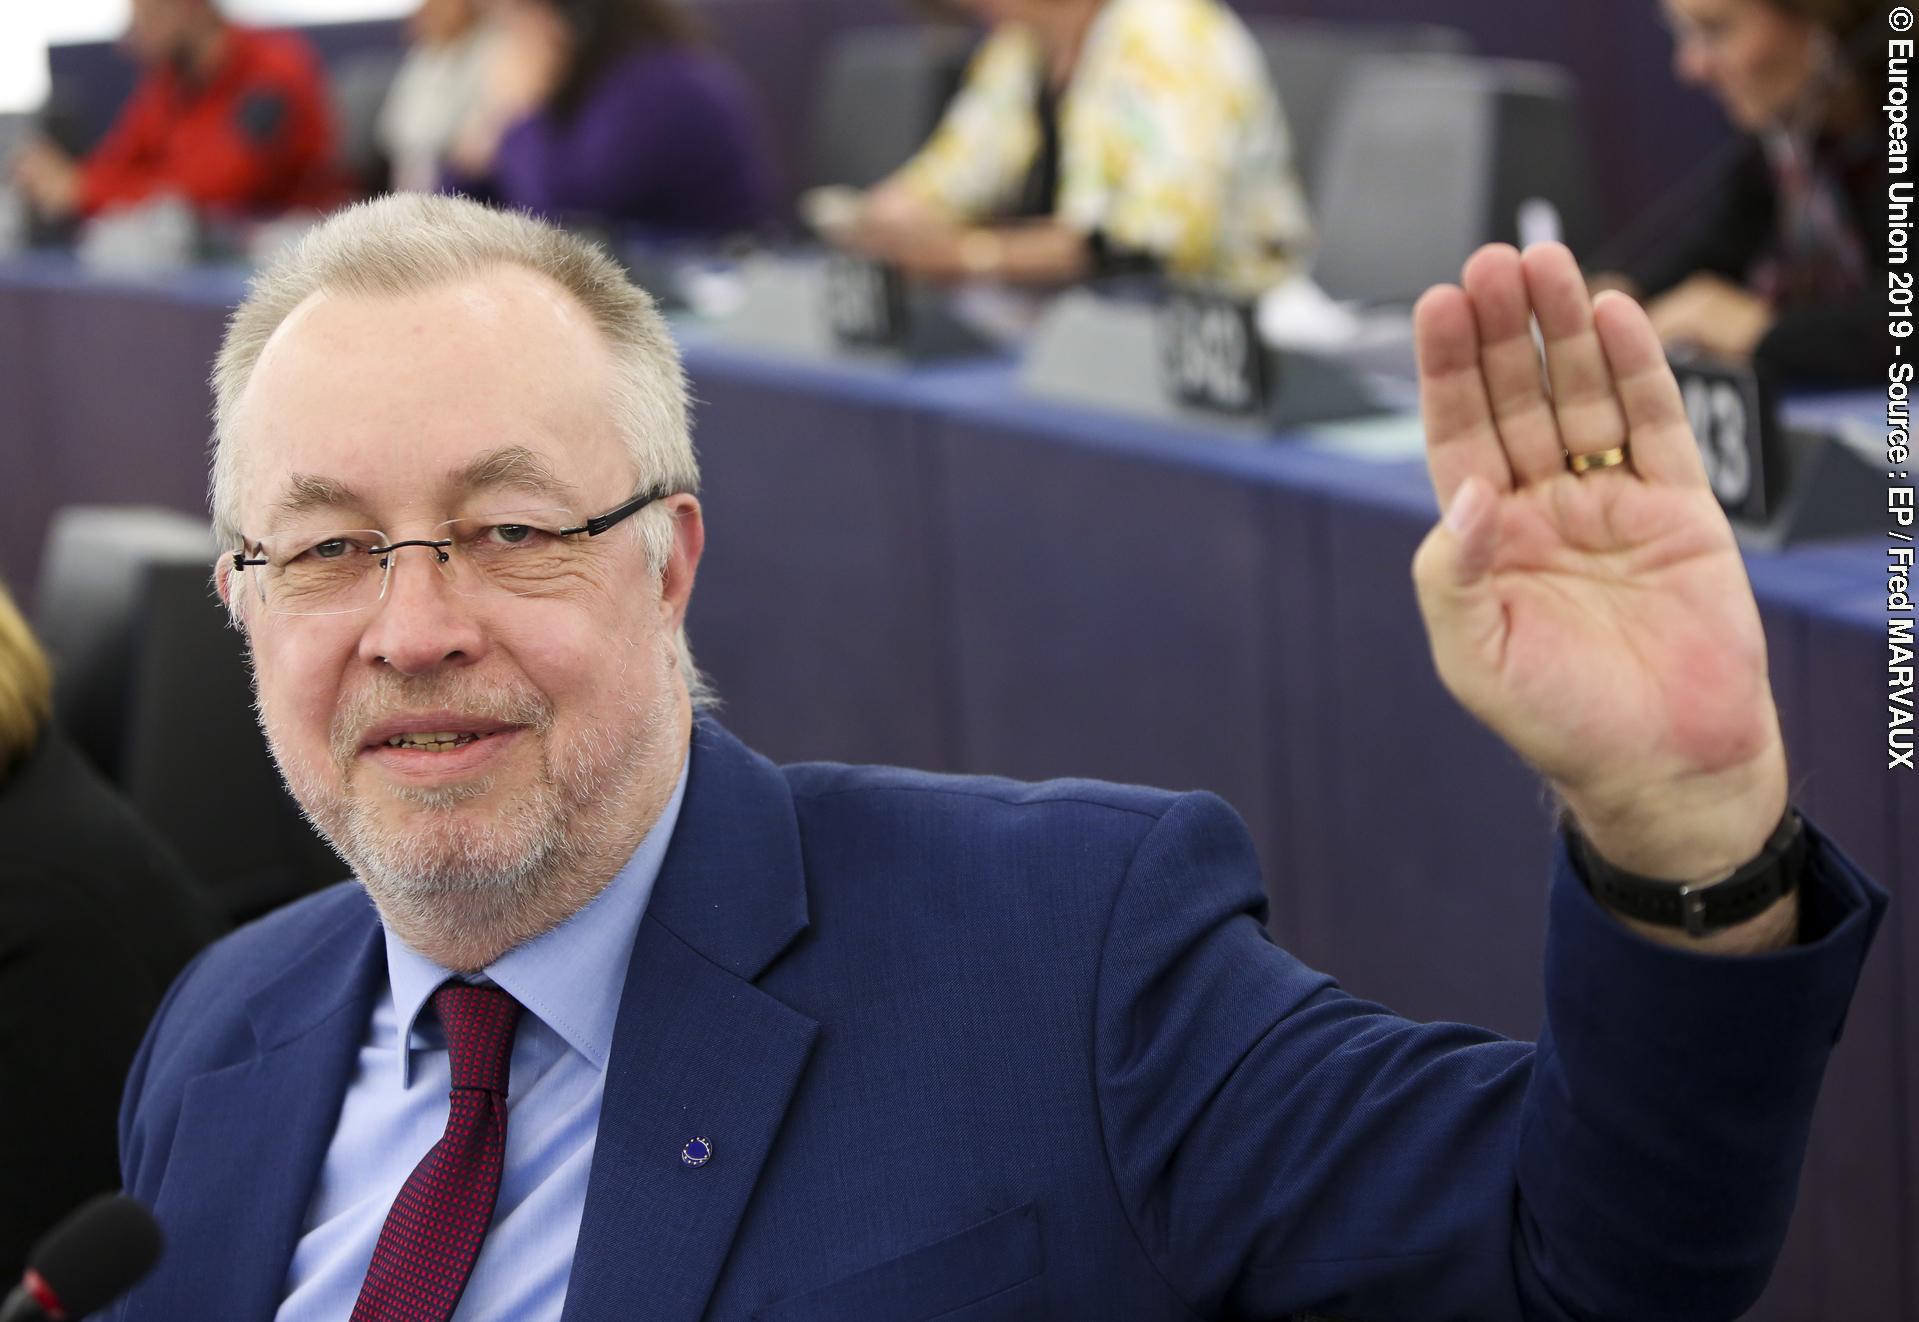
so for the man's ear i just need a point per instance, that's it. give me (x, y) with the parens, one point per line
(224, 585)
(683, 560)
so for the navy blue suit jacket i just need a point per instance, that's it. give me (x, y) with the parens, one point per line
(971, 1050)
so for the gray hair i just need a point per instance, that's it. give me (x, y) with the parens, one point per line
(411, 242)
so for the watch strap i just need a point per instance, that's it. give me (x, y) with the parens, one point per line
(1708, 906)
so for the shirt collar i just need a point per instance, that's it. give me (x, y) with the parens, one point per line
(570, 978)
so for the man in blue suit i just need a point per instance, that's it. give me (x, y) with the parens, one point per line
(620, 1020)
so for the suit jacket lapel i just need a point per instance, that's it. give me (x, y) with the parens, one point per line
(254, 1133)
(698, 1051)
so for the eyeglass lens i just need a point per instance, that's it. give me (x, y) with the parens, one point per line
(332, 571)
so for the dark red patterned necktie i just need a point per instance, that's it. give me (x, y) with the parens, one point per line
(432, 1236)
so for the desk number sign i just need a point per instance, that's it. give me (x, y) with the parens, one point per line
(865, 303)
(1732, 416)
(1210, 353)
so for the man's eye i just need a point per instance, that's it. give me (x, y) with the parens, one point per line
(515, 534)
(331, 549)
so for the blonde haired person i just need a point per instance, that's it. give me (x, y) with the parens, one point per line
(96, 918)
(26, 685)
(1098, 135)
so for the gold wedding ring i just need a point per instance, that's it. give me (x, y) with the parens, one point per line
(1586, 463)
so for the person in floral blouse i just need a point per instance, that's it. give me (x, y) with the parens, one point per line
(1093, 136)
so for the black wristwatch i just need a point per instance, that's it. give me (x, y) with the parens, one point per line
(1705, 908)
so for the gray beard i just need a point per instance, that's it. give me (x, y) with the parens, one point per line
(449, 881)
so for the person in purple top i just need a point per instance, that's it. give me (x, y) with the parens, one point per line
(618, 111)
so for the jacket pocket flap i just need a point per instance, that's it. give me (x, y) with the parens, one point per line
(997, 1254)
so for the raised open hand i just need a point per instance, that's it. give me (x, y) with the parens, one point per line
(1600, 623)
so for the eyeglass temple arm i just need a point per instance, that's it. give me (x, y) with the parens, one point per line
(595, 526)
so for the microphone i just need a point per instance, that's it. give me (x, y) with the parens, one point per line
(90, 1259)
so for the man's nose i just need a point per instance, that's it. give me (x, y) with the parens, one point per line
(422, 622)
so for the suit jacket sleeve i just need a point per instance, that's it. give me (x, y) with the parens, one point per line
(1283, 1146)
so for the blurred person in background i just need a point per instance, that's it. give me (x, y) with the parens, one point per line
(1095, 136)
(1775, 253)
(618, 111)
(227, 118)
(439, 84)
(96, 918)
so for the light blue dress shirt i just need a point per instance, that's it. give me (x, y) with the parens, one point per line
(569, 982)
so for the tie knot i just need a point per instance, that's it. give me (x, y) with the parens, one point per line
(479, 1024)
